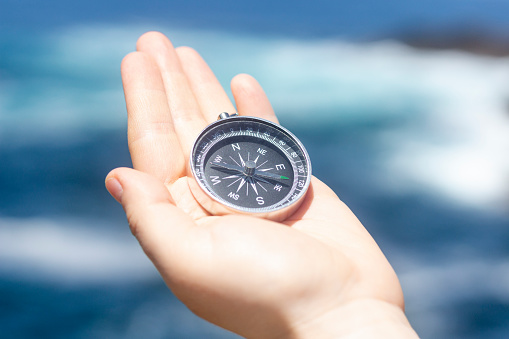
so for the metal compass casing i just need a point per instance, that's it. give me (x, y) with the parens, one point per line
(249, 165)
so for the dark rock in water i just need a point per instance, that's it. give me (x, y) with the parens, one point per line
(469, 39)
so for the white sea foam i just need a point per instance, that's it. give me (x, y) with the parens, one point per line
(453, 143)
(458, 146)
(70, 251)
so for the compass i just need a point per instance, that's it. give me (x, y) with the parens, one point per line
(249, 165)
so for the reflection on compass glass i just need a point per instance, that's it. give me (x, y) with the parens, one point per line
(250, 164)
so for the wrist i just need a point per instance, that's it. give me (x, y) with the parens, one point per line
(356, 320)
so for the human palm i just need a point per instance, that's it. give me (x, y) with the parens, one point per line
(255, 277)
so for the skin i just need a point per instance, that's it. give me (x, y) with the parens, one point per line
(317, 274)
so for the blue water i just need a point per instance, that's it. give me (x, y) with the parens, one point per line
(320, 18)
(415, 142)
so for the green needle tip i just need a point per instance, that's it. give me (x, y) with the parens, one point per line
(282, 177)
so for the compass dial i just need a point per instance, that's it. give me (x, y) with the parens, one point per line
(249, 165)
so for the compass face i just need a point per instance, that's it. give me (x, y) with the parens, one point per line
(250, 165)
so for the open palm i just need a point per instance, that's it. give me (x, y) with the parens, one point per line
(255, 277)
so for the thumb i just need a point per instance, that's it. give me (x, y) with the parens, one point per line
(155, 221)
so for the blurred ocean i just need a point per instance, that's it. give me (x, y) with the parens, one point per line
(415, 141)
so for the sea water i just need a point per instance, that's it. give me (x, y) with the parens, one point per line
(414, 141)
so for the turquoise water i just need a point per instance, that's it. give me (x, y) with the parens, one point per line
(415, 142)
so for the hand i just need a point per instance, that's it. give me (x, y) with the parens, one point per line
(317, 274)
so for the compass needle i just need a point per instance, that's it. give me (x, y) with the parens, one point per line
(263, 180)
(231, 177)
(227, 166)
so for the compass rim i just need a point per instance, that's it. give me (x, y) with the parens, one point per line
(217, 205)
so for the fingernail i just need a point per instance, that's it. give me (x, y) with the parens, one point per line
(113, 186)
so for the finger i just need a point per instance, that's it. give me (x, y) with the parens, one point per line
(209, 93)
(154, 146)
(184, 108)
(167, 234)
(251, 99)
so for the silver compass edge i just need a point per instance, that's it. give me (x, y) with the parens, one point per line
(216, 205)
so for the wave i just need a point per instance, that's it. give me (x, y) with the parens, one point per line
(73, 80)
(442, 119)
(70, 251)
